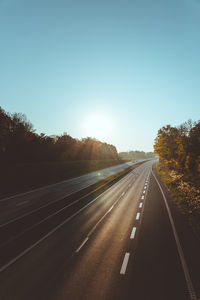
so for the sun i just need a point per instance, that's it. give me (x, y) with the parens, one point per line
(98, 125)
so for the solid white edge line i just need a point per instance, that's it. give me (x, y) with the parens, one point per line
(111, 208)
(137, 216)
(179, 248)
(82, 244)
(133, 233)
(125, 263)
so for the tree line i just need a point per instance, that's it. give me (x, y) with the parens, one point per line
(20, 143)
(137, 155)
(178, 148)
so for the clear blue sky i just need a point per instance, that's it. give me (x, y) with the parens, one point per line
(131, 65)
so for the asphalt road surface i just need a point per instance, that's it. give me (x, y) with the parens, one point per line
(14, 206)
(131, 242)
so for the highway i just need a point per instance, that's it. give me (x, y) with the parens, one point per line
(128, 242)
(14, 206)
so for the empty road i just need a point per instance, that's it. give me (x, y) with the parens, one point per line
(14, 206)
(130, 242)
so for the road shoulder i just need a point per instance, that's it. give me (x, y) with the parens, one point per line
(189, 240)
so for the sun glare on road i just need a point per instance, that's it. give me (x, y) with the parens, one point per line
(98, 125)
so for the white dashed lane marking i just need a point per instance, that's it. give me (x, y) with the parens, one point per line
(125, 263)
(137, 216)
(133, 233)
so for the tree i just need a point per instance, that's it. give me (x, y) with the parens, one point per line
(19, 143)
(193, 156)
(179, 147)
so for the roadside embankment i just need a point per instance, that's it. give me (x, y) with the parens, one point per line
(187, 194)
